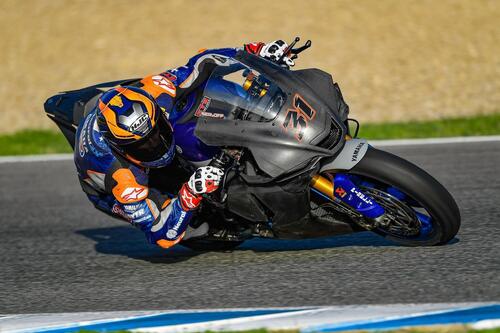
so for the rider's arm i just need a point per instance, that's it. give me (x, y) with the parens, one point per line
(163, 221)
(198, 69)
(180, 81)
(186, 78)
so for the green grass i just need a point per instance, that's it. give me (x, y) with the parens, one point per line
(479, 125)
(47, 142)
(33, 142)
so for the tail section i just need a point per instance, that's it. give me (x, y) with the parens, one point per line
(67, 109)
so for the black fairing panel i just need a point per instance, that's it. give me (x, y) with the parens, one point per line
(274, 153)
(68, 108)
(279, 203)
(275, 149)
(322, 83)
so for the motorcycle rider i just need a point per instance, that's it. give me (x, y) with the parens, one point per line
(128, 133)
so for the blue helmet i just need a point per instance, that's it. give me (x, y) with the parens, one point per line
(135, 126)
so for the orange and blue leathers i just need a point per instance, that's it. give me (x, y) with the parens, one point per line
(120, 188)
(117, 185)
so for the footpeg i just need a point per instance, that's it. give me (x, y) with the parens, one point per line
(261, 230)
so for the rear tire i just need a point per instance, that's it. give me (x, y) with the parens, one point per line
(421, 187)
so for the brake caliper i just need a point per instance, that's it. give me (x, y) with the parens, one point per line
(346, 191)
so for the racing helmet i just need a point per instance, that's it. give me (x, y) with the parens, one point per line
(135, 126)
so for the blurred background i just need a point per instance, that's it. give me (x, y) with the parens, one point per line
(395, 60)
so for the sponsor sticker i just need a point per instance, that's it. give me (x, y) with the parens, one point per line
(134, 193)
(81, 148)
(171, 233)
(138, 213)
(138, 124)
(211, 115)
(84, 138)
(340, 192)
(169, 76)
(187, 199)
(219, 58)
(164, 83)
(356, 151)
(202, 109)
(204, 104)
(362, 196)
(119, 211)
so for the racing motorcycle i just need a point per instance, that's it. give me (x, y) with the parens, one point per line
(294, 167)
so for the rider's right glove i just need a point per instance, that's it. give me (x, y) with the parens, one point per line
(205, 180)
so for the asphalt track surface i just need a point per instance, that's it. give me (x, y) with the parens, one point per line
(58, 254)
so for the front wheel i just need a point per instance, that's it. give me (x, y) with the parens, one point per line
(419, 210)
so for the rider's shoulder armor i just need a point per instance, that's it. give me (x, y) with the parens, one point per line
(161, 88)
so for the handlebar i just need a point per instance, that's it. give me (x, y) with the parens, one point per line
(294, 52)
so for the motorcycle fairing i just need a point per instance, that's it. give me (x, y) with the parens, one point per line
(68, 108)
(352, 152)
(278, 204)
(322, 83)
(275, 149)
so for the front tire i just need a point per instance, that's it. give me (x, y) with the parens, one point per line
(394, 171)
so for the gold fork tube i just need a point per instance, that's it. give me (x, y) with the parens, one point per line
(322, 184)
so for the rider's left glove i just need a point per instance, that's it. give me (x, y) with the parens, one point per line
(205, 180)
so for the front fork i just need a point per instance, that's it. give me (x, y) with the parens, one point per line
(343, 189)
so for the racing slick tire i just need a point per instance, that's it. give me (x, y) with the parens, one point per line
(421, 187)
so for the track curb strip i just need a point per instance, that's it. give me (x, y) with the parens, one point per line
(307, 320)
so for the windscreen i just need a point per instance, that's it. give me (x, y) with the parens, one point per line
(235, 91)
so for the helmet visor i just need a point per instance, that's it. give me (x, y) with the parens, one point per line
(154, 145)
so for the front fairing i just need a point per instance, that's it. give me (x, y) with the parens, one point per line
(294, 132)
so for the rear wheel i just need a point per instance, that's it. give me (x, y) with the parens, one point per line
(419, 210)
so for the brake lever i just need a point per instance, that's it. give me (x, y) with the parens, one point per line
(302, 48)
(288, 50)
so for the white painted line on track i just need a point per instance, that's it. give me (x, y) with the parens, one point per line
(376, 143)
(433, 141)
(36, 158)
(486, 324)
(306, 319)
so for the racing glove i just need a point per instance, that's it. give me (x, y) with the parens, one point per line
(205, 180)
(271, 51)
